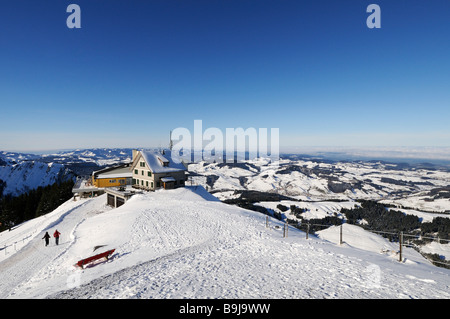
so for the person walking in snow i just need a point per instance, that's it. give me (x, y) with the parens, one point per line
(56, 235)
(47, 238)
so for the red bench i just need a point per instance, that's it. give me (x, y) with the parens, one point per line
(81, 263)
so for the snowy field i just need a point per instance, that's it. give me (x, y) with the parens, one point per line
(184, 243)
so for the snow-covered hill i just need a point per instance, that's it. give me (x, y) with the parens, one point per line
(425, 189)
(22, 177)
(184, 243)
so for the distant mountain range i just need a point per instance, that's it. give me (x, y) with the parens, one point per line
(98, 156)
(419, 185)
(20, 172)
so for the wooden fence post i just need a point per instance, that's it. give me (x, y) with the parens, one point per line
(401, 243)
(307, 230)
(340, 236)
(287, 228)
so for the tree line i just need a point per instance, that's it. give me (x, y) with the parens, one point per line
(379, 218)
(42, 200)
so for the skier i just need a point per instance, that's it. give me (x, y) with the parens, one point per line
(47, 238)
(56, 235)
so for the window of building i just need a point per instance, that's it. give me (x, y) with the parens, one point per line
(149, 174)
(136, 171)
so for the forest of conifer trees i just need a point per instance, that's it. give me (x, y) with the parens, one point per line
(34, 203)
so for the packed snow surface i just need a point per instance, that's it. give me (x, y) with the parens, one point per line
(184, 243)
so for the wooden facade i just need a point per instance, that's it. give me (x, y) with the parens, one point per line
(112, 176)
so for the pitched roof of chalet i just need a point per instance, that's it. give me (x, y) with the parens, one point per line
(159, 163)
(121, 172)
(118, 171)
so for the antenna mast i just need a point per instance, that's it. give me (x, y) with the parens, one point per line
(171, 142)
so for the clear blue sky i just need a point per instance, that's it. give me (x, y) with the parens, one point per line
(138, 69)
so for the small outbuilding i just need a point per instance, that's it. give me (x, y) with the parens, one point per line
(117, 196)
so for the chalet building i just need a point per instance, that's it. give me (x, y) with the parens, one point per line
(112, 176)
(152, 170)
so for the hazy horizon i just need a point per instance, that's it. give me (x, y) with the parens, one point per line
(437, 155)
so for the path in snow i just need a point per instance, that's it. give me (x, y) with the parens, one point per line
(34, 256)
(222, 252)
(177, 245)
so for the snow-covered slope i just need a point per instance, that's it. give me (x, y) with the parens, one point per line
(27, 175)
(184, 243)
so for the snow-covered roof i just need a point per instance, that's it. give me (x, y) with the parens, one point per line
(121, 172)
(117, 171)
(159, 163)
(121, 175)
